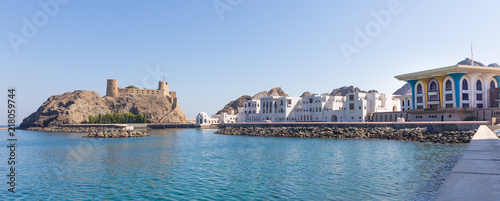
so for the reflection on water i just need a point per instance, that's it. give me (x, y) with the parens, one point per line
(197, 164)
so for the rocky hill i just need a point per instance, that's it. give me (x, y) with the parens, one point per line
(233, 105)
(305, 94)
(404, 90)
(342, 91)
(75, 107)
(468, 61)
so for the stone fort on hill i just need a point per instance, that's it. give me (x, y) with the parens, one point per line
(112, 90)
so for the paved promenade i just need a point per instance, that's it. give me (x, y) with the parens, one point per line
(476, 176)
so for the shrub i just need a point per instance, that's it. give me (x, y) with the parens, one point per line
(116, 118)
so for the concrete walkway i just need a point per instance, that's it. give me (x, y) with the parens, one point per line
(476, 176)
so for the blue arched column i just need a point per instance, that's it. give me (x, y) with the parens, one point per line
(456, 78)
(497, 77)
(412, 84)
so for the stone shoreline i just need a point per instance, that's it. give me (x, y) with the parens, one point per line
(94, 132)
(406, 134)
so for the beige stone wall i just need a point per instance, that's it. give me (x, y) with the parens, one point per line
(112, 90)
(149, 92)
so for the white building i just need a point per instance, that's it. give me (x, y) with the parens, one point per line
(223, 118)
(355, 107)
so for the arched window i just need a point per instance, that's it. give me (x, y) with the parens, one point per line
(433, 87)
(465, 85)
(419, 89)
(408, 102)
(492, 84)
(448, 85)
(479, 86)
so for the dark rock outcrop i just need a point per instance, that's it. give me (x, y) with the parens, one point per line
(233, 105)
(277, 91)
(493, 65)
(404, 90)
(468, 61)
(75, 107)
(305, 94)
(342, 91)
(111, 133)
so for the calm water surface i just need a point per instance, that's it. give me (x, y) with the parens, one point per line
(197, 164)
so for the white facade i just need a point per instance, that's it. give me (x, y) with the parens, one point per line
(354, 107)
(224, 118)
(406, 103)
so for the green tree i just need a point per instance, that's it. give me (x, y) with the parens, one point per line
(91, 119)
(116, 118)
(131, 87)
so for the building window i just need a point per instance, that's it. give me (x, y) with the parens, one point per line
(479, 97)
(492, 84)
(433, 87)
(351, 106)
(420, 99)
(351, 97)
(419, 89)
(465, 96)
(479, 105)
(433, 98)
(449, 105)
(479, 86)
(465, 85)
(448, 86)
(465, 105)
(449, 97)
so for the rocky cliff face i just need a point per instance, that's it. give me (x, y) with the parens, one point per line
(342, 91)
(305, 94)
(404, 90)
(233, 105)
(75, 107)
(468, 61)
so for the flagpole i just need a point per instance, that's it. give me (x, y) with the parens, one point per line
(471, 54)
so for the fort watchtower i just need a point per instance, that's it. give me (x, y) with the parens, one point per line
(112, 88)
(163, 88)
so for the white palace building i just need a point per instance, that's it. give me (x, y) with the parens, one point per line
(452, 93)
(354, 107)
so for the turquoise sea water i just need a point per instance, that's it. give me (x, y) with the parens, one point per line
(197, 164)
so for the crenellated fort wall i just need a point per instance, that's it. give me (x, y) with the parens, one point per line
(112, 90)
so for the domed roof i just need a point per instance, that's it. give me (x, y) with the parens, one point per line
(202, 114)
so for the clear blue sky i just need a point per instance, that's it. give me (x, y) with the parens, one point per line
(256, 46)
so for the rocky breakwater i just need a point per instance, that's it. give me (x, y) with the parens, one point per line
(94, 132)
(112, 133)
(407, 134)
